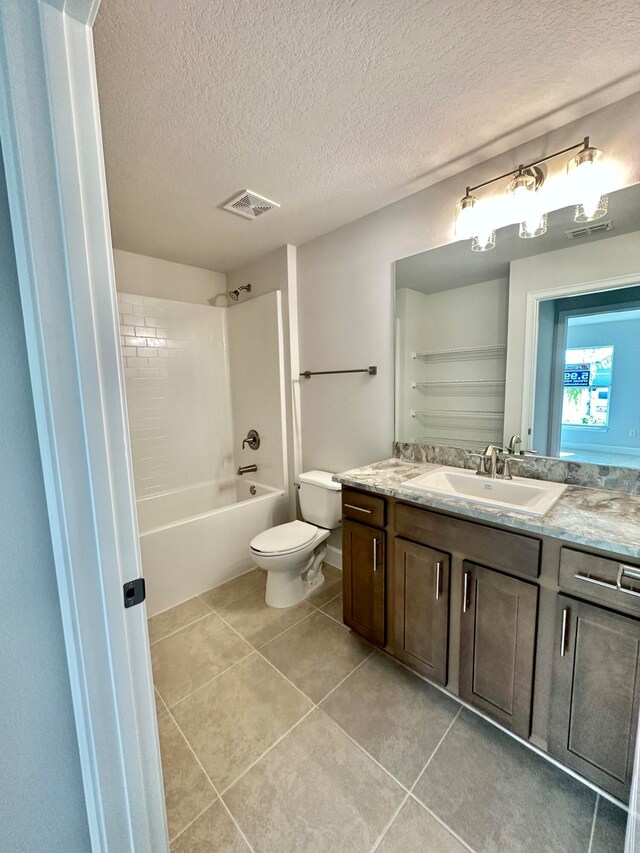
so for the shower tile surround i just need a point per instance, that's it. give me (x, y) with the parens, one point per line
(535, 467)
(372, 758)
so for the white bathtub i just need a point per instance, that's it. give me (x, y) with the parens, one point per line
(196, 538)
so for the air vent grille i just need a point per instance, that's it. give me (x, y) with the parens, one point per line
(589, 230)
(250, 205)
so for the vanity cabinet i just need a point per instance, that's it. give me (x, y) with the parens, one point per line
(364, 580)
(595, 693)
(497, 645)
(421, 580)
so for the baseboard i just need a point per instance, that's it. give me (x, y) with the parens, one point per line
(334, 556)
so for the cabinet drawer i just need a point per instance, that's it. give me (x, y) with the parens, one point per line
(613, 582)
(500, 549)
(367, 509)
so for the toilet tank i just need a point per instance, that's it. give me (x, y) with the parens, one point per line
(320, 502)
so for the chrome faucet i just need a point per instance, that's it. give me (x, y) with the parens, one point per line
(246, 469)
(515, 444)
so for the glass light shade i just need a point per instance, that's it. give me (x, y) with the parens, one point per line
(592, 208)
(522, 190)
(466, 218)
(484, 242)
(587, 176)
(533, 226)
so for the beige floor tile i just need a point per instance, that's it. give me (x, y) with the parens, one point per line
(314, 792)
(212, 832)
(398, 718)
(257, 622)
(316, 654)
(175, 618)
(234, 719)
(497, 795)
(333, 608)
(237, 588)
(331, 587)
(192, 656)
(416, 831)
(187, 791)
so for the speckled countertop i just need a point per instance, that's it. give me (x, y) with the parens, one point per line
(597, 518)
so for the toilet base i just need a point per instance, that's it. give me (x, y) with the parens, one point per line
(288, 588)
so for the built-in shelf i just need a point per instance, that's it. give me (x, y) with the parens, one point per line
(462, 353)
(471, 387)
(462, 419)
(464, 443)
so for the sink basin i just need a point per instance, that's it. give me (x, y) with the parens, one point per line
(532, 497)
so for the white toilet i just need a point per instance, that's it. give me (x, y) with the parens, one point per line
(292, 553)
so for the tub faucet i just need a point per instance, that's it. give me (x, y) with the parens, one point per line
(247, 469)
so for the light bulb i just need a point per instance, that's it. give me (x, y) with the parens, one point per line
(588, 184)
(466, 217)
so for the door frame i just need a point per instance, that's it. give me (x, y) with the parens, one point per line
(53, 159)
(532, 320)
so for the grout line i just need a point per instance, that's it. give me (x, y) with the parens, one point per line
(260, 757)
(206, 683)
(388, 825)
(442, 823)
(181, 628)
(237, 825)
(191, 822)
(439, 744)
(306, 616)
(593, 823)
(333, 689)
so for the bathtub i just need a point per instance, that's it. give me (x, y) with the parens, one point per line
(195, 538)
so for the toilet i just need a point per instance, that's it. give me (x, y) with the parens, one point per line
(292, 553)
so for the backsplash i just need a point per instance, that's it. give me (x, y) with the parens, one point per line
(535, 467)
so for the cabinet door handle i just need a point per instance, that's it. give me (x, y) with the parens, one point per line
(563, 632)
(465, 593)
(375, 555)
(595, 581)
(358, 508)
(627, 572)
(438, 570)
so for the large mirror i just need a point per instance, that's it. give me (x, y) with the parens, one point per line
(538, 338)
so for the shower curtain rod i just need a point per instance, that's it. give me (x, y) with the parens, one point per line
(372, 370)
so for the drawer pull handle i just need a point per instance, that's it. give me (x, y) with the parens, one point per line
(596, 581)
(623, 572)
(375, 556)
(358, 508)
(563, 632)
(465, 593)
(438, 570)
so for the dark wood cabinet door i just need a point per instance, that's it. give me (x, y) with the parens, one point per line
(364, 570)
(595, 693)
(421, 605)
(497, 645)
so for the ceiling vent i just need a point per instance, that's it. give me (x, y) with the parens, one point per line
(589, 230)
(250, 205)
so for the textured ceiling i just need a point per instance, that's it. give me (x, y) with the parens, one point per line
(333, 108)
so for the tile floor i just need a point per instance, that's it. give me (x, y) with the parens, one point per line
(281, 732)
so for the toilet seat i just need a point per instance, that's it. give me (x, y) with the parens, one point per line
(284, 538)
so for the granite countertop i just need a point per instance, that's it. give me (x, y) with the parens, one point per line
(597, 518)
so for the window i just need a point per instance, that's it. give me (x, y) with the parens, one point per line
(587, 387)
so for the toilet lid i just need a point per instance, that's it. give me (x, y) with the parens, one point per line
(284, 537)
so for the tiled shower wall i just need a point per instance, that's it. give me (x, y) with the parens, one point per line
(178, 392)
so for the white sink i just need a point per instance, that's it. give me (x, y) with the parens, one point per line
(532, 497)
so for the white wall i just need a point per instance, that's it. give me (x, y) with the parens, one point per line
(345, 292)
(464, 317)
(593, 262)
(42, 804)
(148, 276)
(256, 358)
(178, 393)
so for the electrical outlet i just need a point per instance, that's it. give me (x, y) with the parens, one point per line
(633, 433)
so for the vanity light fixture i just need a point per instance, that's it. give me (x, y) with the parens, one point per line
(587, 185)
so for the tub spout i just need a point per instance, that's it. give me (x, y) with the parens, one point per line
(247, 469)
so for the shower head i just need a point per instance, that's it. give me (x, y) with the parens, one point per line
(235, 294)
